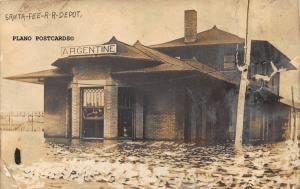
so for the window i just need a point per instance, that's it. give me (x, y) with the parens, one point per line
(229, 62)
(92, 107)
(93, 103)
(93, 97)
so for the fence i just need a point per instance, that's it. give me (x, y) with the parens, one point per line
(21, 121)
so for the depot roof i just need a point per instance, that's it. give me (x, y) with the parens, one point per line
(171, 64)
(166, 64)
(124, 51)
(212, 36)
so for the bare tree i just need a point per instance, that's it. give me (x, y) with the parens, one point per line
(269, 77)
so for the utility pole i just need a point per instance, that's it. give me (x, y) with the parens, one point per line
(243, 87)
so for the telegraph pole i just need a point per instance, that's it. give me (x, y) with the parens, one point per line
(243, 87)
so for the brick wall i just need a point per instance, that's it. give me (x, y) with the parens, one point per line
(160, 114)
(190, 26)
(110, 111)
(83, 73)
(161, 125)
(75, 111)
(139, 115)
(180, 111)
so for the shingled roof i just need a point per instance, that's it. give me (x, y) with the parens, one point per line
(161, 68)
(124, 51)
(210, 71)
(39, 77)
(163, 63)
(212, 36)
(160, 57)
(171, 64)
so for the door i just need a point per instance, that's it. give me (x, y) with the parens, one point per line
(188, 119)
(92, 108)
(125, 112)
(199, 123)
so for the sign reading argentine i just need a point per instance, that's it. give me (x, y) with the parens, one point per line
(89, 50)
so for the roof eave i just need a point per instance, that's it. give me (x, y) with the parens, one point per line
(194, 44)
(151, 72)
(73, 59)
(35, 80)
(26, 80)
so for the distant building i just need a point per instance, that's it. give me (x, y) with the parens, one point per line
(185, 89)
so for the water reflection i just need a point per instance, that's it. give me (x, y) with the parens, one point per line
(117, 164)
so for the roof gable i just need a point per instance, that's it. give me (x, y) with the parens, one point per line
(264, 48)
(212, 36)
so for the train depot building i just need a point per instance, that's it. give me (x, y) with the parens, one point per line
(185, 89)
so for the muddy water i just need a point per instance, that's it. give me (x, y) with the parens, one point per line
(30, 144)
(125, 164)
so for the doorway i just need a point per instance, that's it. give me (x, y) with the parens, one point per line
(92, 112)
(125, 112)
(188, 119)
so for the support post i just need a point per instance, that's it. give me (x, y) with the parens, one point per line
(294, 126)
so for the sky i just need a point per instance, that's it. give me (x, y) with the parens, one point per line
(151, 22)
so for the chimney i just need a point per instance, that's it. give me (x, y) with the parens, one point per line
(190, 26)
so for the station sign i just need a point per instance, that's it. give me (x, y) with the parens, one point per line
(88, 50)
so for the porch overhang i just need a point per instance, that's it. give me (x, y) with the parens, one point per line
(289, 103)
(40, 76)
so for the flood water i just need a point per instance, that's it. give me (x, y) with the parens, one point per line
(56, 163)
